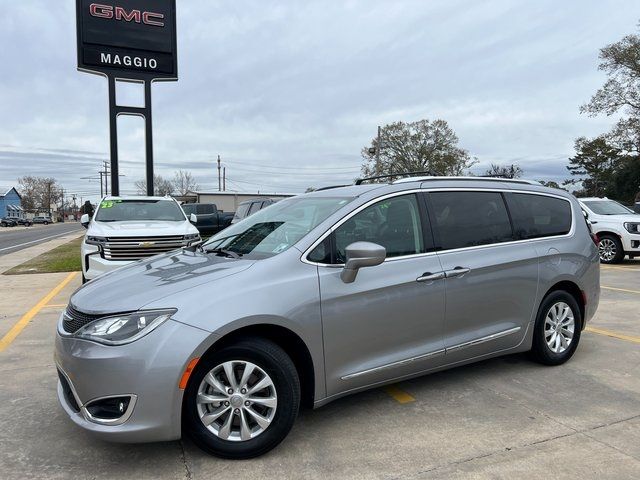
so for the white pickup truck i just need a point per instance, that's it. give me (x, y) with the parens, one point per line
(617, 228)
(126, 229)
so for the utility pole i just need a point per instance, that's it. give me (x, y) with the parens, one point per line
(224, 179)
(49, 198)
(106, 179)
(219, 182)
(378, 148)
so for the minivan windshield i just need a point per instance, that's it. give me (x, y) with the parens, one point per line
(275, 228)
(607, 207)
(139, 210)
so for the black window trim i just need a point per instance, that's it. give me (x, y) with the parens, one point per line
(424, 193)
(418, 192)
(504, 192)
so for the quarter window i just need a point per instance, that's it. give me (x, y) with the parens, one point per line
(466, 219)
(393, 223)
(537, 216)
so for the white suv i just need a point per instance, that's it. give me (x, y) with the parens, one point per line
(126, 229)
(617, 228)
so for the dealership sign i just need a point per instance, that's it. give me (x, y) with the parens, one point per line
(132, 39)
(128, 40)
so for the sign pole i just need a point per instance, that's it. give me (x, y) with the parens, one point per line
(149, 136)
(113, 136)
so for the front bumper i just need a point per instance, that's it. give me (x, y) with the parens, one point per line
(93, 265)
(147, 370)
(631, 244)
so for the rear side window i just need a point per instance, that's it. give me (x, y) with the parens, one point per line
(205, 209)
(536, 216)
(255, 206)
(467, 219)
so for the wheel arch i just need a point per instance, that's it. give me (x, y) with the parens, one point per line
(286, 339)
(572, 289)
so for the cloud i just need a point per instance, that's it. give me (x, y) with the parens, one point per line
(289, 92)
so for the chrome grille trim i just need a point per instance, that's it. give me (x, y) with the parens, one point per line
(136, 248)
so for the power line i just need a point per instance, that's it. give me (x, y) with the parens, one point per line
(288, 169)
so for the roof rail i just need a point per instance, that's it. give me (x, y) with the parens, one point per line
(478, 178)
(359, 181)
(330, 187)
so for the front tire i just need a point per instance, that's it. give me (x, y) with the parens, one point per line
(557, 329)
(242, 400)
(610, 249)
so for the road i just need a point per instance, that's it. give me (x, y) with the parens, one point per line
(14, 239)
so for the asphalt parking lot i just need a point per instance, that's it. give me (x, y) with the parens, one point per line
(501, 418)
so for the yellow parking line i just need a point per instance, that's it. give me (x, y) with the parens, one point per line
(609, 333)
(620, 289)
(26, 318)
(398, 395)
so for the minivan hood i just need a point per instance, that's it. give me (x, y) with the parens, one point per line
(133, 286)
(150, 228)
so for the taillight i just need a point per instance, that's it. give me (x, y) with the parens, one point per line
(594, 237)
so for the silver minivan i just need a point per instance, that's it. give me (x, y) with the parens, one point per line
(320, 296)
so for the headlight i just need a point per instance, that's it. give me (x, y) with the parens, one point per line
(192, 237)
(121, 329)
(632, 227)
(96, 240)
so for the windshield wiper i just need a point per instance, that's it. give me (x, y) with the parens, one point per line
(222, 251)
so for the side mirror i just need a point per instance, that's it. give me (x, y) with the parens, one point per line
(361, 254)
(84, 220)
(193, 218)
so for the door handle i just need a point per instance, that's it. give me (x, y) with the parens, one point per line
(429, 277)
(457, 272)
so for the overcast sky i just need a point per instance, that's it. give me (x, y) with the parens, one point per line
(289, 92)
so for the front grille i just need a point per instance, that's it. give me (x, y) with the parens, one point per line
(68, 394)
(136, 248)
(73, 320)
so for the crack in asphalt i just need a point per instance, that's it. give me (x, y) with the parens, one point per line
(183, 457)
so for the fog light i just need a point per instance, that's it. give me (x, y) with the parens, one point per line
(108, 408)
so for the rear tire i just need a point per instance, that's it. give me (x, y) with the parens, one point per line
(557, 329)
(223, 436)
(610, 249)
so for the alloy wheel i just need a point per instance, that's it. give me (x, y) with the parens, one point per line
(559, 326)
(607, 249)
(237, 400)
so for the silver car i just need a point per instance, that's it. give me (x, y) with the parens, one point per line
(320, 296)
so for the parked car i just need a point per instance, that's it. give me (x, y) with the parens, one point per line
(249, 207)
(43, 220)
(24, 221)
(208, 219)
(320, 296)
(127, 229)
(8, 222)
(617, 228)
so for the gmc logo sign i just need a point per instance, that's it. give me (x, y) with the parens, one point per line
(118, 13)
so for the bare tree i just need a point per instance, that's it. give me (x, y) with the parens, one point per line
(161, 186)
(417, 146)
(184, 182)
(39, 193)
(504, 171)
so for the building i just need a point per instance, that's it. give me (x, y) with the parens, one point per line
(227, 201)
(11, 204)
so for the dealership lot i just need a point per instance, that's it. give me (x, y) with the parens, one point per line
(489, 420)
